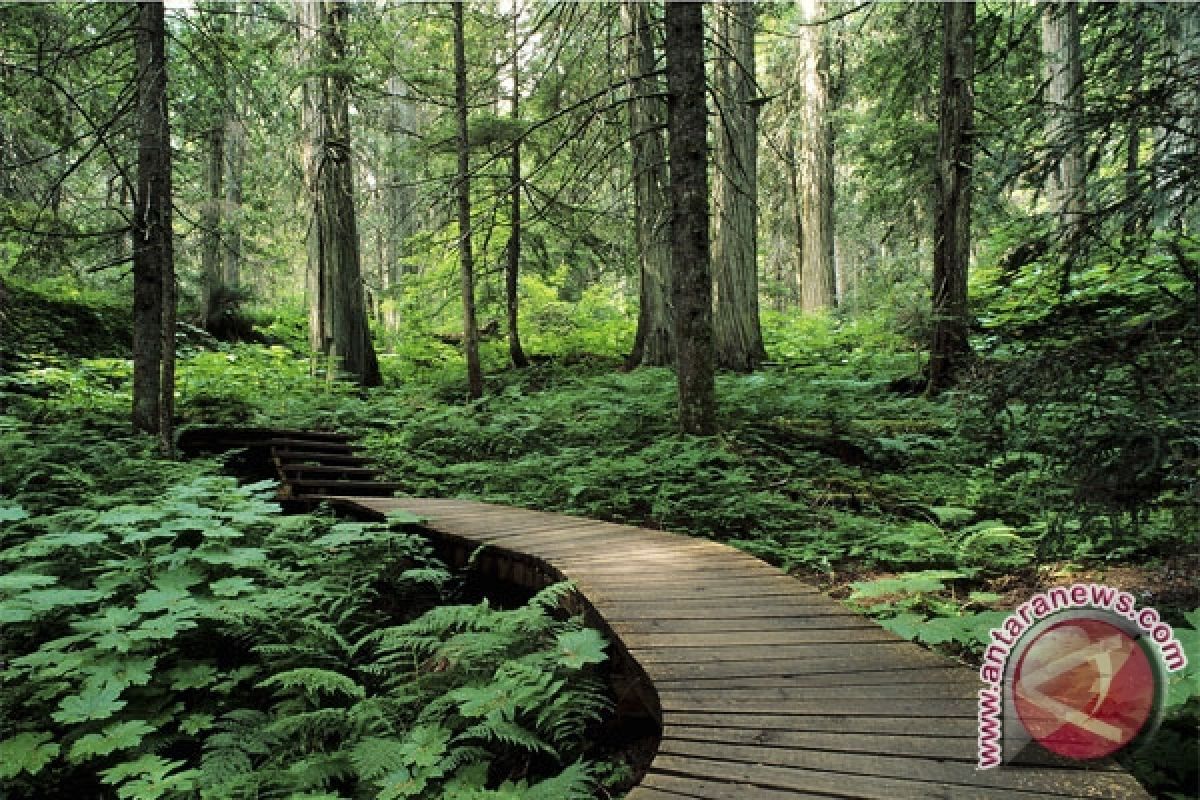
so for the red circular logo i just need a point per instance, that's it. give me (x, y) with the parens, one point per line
(1084, 688)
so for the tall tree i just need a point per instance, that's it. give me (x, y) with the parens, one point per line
(153, 256)
(687, 131)
(338, 326)
(1178, 143)
(234, 140)
(465, 258)
(816, 163)
(211, 255)
(952, 245)
(1064, 111)
(738, 338)
(653, 341)
(512, 266)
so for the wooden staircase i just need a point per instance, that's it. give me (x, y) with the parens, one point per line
(309, 465)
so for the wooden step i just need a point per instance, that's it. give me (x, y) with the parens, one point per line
(299, 457)
(327, 487)
(221, 438)
(366, 473)
(311, 445)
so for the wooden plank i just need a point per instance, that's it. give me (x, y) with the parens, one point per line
(840, 784)
(955, 748)
(1065, 782)
(844, 620)
(769, 653)
(707, 639)
(781, 605)
(658, 786)
(937, 687)
(918, 708)
(849, 678)
(293, 456)
(846, 725)
(739, 669)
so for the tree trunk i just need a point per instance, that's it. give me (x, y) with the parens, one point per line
(235, 159)
(687, 125)
(952, 246)
(512, 268)
(739, 344)
(466, 264)
(1064, 112)
(153, 267)
(1178, 146)
(210, 256)
(816, 165)
(652, 231)
(337, 312)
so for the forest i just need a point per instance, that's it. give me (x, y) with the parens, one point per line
(901, 298)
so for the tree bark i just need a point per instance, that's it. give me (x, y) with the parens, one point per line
(816, 165)
(153, 265)
(235, 160)
(653, 343)
(952, 247)
(338, 327)
(210, 256)
(516, 353)
(465, 259)
(739, 344)
(1178, 146)
(687, 125)
(1064, 112)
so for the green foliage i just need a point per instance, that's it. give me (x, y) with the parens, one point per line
(168, 634)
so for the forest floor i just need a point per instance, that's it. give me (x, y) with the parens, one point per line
(918, 512)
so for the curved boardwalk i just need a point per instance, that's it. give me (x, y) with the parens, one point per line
(767, 688)
(764, 687)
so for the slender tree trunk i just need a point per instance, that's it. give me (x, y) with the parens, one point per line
(739, 344)
(466, 264)
(952, 247)
(687, 126)
(654, 345)
(816, 164)
(337, 306)
(210, 256)
(153, 266)
(1178, 146)
(512, 268)
(235, 159)
(1064, 111)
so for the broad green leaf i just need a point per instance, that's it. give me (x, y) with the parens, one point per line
(22, 581)
(192, 676)
(13, 514)
(193, 724)
(232, 587)
(121, 736)
(92, 704)
(26, 752)
(576, 648)
(399, 516)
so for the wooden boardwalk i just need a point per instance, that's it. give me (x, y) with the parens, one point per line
(766, 688)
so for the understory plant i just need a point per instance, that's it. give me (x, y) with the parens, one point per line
(168, 633)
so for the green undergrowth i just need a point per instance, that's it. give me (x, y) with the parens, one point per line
(931, 515)
(167, 633)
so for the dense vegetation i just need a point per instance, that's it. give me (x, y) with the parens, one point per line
(953, 297)
(935, 516)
